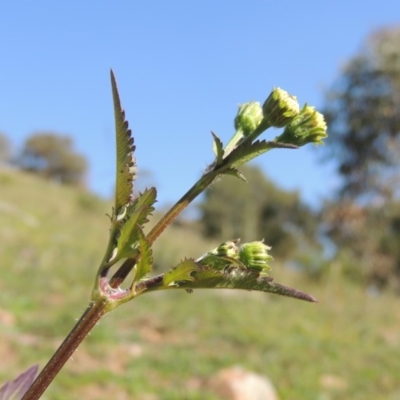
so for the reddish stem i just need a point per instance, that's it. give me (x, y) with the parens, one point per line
(88, 320)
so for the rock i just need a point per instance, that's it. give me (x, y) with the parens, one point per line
(330, 381)
(7, 318)
(237, 384)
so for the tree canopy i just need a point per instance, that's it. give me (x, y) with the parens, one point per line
(52, 156)
(363, 115)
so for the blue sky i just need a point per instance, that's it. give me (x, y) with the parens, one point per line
(182, 68)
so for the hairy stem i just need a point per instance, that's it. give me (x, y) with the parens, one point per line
(88, 320)
(185, 200)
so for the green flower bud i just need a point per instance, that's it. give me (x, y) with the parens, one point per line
(280, 108)
(227, 249)
(248, 117)
(221, 257)
(254, 255)
(308, 127)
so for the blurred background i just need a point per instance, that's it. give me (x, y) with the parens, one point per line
(330, 213)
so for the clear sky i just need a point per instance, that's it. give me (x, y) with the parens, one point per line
(182, 69)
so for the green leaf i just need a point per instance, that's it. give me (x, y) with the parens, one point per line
(220, 263)
(180, 273)
(136, 213)
(145, 263)
(241, 279)
(216, 262)
(129, 231)
(218, 149)
(128, 237)
(147, 199)
(244, 154)
(205, 278)
(126, 163)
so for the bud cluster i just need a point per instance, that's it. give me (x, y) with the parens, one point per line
(253, 255)
(280, 110)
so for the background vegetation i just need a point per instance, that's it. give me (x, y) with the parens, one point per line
(169, 345)
(347, 254)
(363, 115)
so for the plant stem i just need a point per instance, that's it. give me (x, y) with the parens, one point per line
(88, 320)
(163, 223)
(185, 200)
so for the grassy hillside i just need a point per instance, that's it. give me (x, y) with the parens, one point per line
(169, 345)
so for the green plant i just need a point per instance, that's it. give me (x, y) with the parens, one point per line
(227, 266)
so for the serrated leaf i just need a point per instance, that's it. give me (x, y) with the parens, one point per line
(147, 199)
(244, 154)
(205, 278)
(126, 163)
(129, 234)
(219, 263)
(136, 214)
(241, 279)
(180, 273)
(145, 263)
(218, 149)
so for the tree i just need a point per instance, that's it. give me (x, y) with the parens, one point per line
(256, 210)
(367, 241)
(52, 156)
(363, 115)
(5, 149)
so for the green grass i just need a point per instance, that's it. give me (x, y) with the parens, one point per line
(169, 345)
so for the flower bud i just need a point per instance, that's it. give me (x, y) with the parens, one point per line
(221, 257)
(227, 249)
(308, 127)
(280, 108)
(254, 255)
(248, 117)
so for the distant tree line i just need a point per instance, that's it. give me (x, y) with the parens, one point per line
(48, 155)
